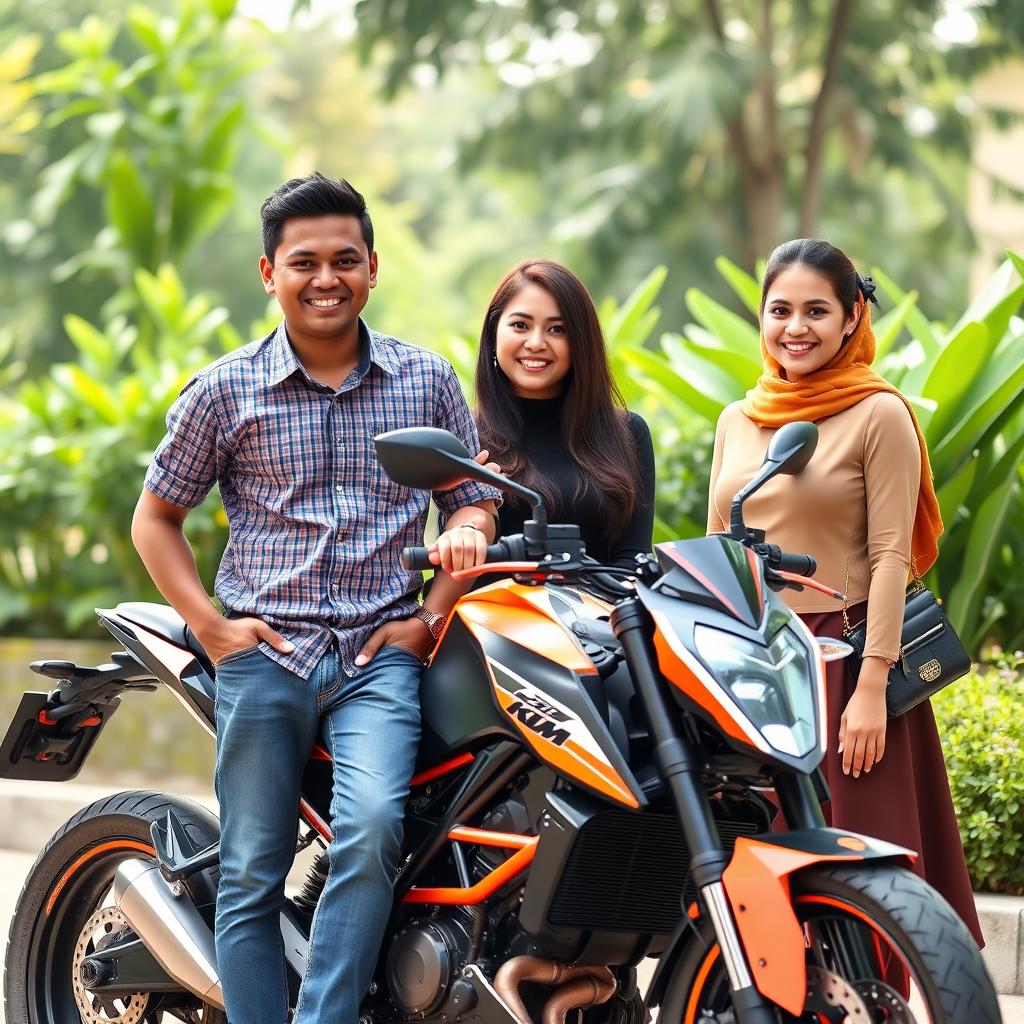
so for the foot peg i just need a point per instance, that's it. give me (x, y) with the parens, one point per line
(178, 856)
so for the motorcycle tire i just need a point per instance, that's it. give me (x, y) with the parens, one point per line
(944, 980)
(66, 886)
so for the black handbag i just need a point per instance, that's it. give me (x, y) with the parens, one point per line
(931, 654)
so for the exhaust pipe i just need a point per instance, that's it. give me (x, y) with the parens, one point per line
(170, 927)
(578, 986)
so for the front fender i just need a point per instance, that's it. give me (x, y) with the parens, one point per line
(757, 885)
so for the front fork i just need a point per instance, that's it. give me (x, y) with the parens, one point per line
(681, 765)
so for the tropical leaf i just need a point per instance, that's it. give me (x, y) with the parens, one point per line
(888, 327)
(671, 383)
(130, 209)
(1007, 464)
(917, 323)
(746, 287)
(97, 347)
(633, 322)
(954, 371)
(953, 493)
(742, 371)
(998, 300)
(736, 333)
(986, 527)
(987, 412)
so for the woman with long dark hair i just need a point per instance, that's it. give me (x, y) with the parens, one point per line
(865, 508)
(551, 416)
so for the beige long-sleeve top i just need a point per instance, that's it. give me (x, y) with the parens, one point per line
(853, 504)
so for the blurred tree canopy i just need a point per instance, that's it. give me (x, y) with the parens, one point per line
(720, 126)
(132, 164)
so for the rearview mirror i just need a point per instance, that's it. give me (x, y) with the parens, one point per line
(791, 447)
(789, 451)
(426, 458)
(436, 460)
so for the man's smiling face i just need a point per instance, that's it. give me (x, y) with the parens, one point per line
(321, 275)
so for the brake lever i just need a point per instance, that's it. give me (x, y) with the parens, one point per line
(779, 580)
(777, 583)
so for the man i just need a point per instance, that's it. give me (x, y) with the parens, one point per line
(322, 635)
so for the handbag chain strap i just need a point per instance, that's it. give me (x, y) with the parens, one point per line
(847, 628)
(915, 575)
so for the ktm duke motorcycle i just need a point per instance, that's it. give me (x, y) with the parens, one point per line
(596, 746)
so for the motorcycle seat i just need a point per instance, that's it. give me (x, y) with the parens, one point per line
(167, 623)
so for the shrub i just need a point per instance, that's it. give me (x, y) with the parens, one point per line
(982, 734)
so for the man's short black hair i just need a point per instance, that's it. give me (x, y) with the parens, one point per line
(312, 196)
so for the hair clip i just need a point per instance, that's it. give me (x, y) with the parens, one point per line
(867, 288)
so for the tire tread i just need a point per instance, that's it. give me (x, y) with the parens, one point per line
(115, 812)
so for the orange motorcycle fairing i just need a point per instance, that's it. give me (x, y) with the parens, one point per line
(757, 885)
(524, 616)
(563, 741)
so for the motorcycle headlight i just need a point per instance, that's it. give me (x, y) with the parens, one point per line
(774, 685)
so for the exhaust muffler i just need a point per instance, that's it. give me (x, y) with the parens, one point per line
(171, 928)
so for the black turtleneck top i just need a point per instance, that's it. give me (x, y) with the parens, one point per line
(544, 446)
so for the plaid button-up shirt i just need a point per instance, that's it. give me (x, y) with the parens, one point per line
(317, 526)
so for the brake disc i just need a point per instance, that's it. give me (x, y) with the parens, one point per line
(100, 930)
(834, 999)
(892, 1007)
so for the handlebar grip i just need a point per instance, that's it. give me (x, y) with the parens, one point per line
(801, 565)
(416, 558)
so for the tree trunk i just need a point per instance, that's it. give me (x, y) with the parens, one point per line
(810, 202)
(764, 203)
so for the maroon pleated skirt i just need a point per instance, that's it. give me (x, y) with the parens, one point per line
(905, 798)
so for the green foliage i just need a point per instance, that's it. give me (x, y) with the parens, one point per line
(18, 113)
(157, 130)
(75, 444)
(682, 442)
(983, 739)
(967, 387)
(135, 161)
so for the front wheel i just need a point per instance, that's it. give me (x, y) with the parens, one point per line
(66, 911)
(882, 948)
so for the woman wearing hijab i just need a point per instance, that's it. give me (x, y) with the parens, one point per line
(865, 508)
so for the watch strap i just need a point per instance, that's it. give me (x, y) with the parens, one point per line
(434, 621)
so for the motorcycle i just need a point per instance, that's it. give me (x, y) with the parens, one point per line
(591, 790)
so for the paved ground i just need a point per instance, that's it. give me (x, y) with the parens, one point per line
(14, 867)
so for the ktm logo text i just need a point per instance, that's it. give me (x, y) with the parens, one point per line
(540, 717)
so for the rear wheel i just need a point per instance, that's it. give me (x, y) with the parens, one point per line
(883, 948)
(65, 913)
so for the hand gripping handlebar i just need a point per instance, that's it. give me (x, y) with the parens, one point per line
(416, 559)
(507, 549)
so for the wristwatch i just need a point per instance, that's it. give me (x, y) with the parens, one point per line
(435, 621)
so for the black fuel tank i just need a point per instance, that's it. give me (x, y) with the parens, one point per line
(456, 701)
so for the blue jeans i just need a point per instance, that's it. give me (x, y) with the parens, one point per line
(267, 721)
